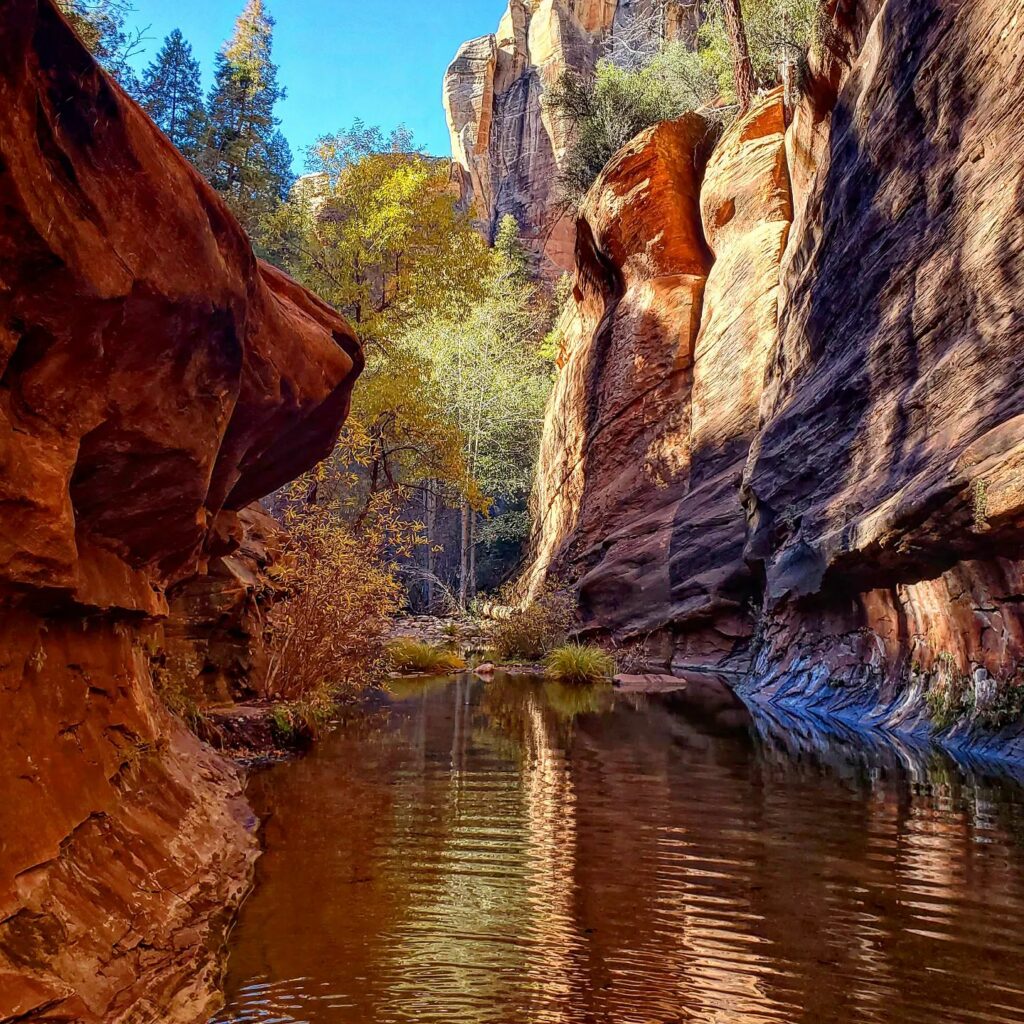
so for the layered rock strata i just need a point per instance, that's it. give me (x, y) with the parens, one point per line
(154, 379)
(845, 517)
(506, 146)
(886, 486)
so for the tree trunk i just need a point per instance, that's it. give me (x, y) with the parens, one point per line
(790, 73)
(472, 555)
(742, 68)
(431, 517)
(464, 558)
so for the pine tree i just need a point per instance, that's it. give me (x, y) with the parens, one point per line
(513, 257)
(245, 157)
(172, 95)
(101, 25)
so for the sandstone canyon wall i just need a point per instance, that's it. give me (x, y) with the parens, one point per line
(506, 148)
(155, 379)
(814, 472)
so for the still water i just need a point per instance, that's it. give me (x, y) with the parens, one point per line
(516, 852)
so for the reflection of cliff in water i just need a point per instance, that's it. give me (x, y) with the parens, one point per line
(510, 852)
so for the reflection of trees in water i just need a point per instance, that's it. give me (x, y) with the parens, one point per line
(492, 854)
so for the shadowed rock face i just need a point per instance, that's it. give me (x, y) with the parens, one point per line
(859, 336)
(154, 379)
(886, 486)
(657, 402)
(506, 147)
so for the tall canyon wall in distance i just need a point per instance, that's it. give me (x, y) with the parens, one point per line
(155, 379)
(788, 435)
(506, 147)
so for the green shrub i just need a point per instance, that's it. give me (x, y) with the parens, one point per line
(580, 663)
(626, 93)
(413, 656)
(1004, 706)
(778, 32)
(529, 633)
(601, 113)
(950, 695)
(301, 721)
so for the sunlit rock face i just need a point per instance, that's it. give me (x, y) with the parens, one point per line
(154, 379)
(506, 147)
(850, 475)
(657, 403)
(886, 486)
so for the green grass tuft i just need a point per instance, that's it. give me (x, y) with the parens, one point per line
(413, 656)
(579, 663)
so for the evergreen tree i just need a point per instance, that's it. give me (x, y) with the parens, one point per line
(245, 157)
(172, 95)
(101, 25)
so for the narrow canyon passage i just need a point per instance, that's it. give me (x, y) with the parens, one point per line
(409, 412)
(518, 852)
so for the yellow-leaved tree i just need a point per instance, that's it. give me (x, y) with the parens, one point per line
(374, 229)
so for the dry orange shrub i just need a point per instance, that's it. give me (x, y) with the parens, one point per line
(328, 635)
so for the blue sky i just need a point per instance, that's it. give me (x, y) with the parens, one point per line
(381, 60)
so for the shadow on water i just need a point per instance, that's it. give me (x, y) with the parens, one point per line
(516, 851)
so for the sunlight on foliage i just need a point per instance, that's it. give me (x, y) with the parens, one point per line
(630, 91)
(528, 634)
(344, 592)
(413, 656)
(579, 663)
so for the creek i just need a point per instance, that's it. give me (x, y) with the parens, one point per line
(517, 851)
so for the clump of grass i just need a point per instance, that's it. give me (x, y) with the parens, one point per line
(579, 664)
(299, 722)
(414, 656)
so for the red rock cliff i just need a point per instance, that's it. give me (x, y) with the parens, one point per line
(846, 505)
(154, 378)
(506, 146)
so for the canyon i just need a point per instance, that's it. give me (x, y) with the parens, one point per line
(786, 441)
(155, 380)
(506, 146)
(785, 445)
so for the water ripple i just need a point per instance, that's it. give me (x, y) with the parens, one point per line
(487, 856)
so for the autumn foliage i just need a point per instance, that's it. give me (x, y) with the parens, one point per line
(327, 637)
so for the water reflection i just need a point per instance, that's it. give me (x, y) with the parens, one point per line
(516, 852)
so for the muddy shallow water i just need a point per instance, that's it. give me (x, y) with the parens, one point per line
(515, 852)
